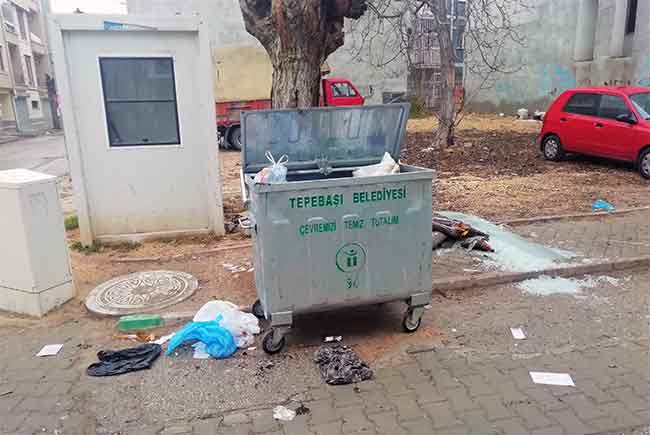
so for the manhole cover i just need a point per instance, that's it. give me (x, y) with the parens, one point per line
(141, 292)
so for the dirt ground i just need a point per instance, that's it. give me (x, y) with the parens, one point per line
(495, 170)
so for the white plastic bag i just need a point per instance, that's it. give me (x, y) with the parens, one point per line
(276, 173)
(385, 167)
(242, 326)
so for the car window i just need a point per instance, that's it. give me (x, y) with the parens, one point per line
(343, 90)
(583, 104)
(642, 103)
(611, 106)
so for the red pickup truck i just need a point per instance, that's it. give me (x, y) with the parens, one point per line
(335, 91)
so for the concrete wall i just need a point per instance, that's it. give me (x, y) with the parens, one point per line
(227, 27)
(553, 43)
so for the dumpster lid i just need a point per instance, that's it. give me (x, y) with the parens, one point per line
(341, 136)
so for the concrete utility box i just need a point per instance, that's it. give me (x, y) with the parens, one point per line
(138, 110)
(35, 272)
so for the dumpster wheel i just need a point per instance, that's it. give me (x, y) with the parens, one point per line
(408, 324)
(257, 309)
(268, 345)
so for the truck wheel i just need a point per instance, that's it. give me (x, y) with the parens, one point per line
(234, 138)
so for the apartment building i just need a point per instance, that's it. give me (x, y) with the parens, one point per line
(25, 106)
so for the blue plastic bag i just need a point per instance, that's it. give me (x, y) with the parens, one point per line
(601, 205)
(219, 342)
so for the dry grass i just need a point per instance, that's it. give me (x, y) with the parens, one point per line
(474, 121)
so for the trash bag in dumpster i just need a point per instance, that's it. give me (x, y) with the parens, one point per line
(387, 166)
(340, 365)
(113, 362)
(242, 326)
(219, 342)
(276, 173)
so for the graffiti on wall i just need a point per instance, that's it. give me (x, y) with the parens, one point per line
(540, 82)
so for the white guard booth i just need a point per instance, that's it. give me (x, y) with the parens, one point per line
(138, 110)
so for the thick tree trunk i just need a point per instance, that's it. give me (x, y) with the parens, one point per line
(447, 115)
(298, 36)
(296, 80)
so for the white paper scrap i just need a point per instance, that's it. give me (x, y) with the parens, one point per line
(562, 379)
(50, 350)
(284, 414)
(199, 351)
(332, 339)
(518, 333)
(164, 339)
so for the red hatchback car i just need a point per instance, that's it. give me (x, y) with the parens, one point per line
(611, 122)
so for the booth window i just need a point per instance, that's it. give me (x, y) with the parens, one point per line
(140, 101)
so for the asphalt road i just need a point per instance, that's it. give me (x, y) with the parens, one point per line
(42, 153)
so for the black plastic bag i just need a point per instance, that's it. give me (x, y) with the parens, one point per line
(117, 362)
(340, 365)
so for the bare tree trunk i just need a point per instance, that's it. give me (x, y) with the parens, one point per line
(298, 35)
(446, 117)
(296, 80)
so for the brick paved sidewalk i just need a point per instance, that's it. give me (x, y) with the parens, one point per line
(443, 394)
(604, 237)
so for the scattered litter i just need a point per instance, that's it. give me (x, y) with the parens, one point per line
(546, 285)
(5, 393)
(139, 336)
(453, 231)
(539, 116)
(602, 205)
(242, 326)
(561, 379)
(50, 350)
(236, 269)
(512, 253)
(135, 322)
(387, 166)
(219, 341)
(284, 414)
(113, 363)
(199, 351)
(332, 339)
(518, 333)
(164, 339)
(522, 114)
(276, 173)
(250, 349)
(340, 365)
(302, 410)
(453, 329)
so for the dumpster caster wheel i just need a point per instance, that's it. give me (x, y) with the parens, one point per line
(409, 325)
(268, 345)
(257, 309)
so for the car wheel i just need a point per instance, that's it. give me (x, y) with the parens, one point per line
(644, 164)
(234, 138)
(552, 148)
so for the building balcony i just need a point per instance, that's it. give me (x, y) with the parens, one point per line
(38, 47)
(11, 34)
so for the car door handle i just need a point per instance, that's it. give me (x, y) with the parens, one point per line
(563, 119)
(599, 125)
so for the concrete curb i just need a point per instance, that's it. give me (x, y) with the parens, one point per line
(560, 217)
(497, 278)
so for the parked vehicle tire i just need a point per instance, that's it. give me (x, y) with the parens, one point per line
(234, 138)
(644, 163)
(552, 148)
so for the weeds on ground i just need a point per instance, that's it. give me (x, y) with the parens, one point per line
(71, 223)
(90, 249)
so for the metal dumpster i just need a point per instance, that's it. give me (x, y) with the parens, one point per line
(324, 239)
